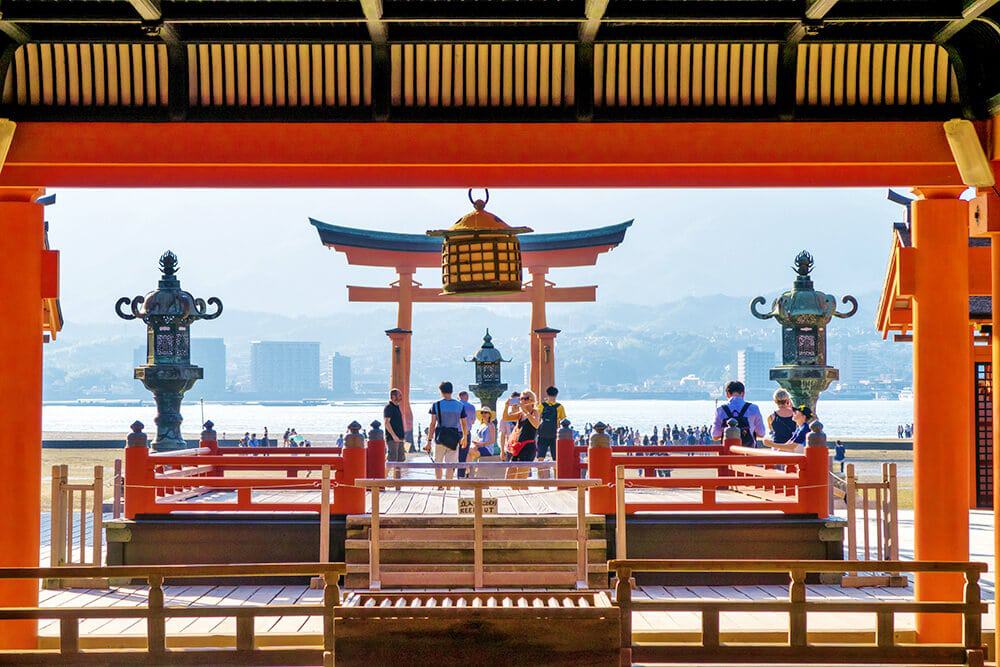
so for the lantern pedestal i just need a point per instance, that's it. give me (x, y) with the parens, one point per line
(805, 383)
(168, 385)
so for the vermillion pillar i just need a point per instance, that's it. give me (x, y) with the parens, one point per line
(546, 359)
(400, 378)
(537, 323)
(942, 371)
(21, 247)
(984, 220)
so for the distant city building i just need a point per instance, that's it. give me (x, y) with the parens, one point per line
(210, 354)
(284, 368)
(753, 369)
(859, 366)
(341, 381)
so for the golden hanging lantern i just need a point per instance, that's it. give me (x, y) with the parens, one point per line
(480, 253)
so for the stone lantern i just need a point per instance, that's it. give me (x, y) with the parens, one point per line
(804, 314)
(480, 253)
(488, 387)
(168, 372)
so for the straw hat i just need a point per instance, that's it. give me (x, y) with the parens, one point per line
(485, 409)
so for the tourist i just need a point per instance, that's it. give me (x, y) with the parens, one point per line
(395, 444)
(448, 427)
(285, 438)
(746, 414)
(551, 413)
(253, 442)
(266, 441)
(340, 440)
(804, 417)
(780, 423)
(899, 432)
(469, 412)
(484, 438)
(521, 445)
(245, 440)
(508, 418)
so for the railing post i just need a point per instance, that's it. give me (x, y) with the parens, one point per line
(119, 491)
(140, 496)
(347, 498)
(623, 598)
(621, 537)
(98, 514)
(602, 498)
(331, 599)
(730, 438)
(798, 630)
(477, 539)
(374, 548)
(582, 533)
(972, 631)
(566, 459)
(375, 466)
(210, 440)
(56, 539)
(156, 628)
(813, 475)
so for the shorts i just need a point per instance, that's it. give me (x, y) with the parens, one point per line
(444, 455)
(395, 451)
(544, 445)
(527, 453)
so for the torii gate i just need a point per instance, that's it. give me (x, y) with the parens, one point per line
(405, 253)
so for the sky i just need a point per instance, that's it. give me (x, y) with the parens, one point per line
(256, 250)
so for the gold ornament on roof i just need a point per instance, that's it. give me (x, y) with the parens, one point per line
(480, 253)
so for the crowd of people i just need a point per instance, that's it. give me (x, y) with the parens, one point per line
(905, 431)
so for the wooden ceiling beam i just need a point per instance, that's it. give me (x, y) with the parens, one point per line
(970, 12)
(152, 20)
(381, 58)
(584, 67)
(815, 11)
(14, 32)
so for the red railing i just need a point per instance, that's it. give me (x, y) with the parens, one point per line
(794, 483)
(572, 458)
(167, 482)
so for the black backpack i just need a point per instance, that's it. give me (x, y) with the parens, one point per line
(549, 420)
(746, 435)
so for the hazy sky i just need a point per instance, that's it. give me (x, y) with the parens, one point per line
(257, 251)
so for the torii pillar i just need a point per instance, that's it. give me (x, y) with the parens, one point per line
(542, 371)
(546, 360)
(401, 339)
(23, 285)
(942, 368)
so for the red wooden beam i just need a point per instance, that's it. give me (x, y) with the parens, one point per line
(746, 154)
(361, 294)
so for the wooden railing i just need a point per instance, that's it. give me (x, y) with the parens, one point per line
(572, 458)
(156, 612)
(789, 478)
(69, 505)
(880, 498)
(477, 485)
(165, 482)
(797, 648)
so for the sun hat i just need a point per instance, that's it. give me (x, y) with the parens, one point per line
(804, 409)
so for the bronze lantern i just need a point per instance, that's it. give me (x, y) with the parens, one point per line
(480, 253)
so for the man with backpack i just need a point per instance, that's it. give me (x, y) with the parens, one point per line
(747, 416)
(448, 429)
(552, 413)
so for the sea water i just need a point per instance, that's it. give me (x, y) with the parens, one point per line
(858, 419)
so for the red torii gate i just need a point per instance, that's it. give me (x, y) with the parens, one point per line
(405, 253)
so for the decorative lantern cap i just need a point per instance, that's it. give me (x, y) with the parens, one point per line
(487, 353)
(803, 305)
(479, 220)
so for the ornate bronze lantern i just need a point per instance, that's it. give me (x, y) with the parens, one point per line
(168, 313)
(804, 314)
(488, 387)
(480, 253)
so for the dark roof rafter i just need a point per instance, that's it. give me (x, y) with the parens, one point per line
(972, 10)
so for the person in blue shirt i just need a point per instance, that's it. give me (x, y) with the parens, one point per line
(469, 412)
(448, 429)
(747, 416)
(804, 417)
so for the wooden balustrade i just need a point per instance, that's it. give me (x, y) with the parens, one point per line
(797, 648)
(882, 499)
(70, 507)
(572, 458)
(477, 486)
(161, 483)
(156, 612)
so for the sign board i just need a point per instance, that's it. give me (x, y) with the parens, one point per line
(468, 505)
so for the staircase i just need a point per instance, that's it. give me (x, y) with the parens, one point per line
(439, 551)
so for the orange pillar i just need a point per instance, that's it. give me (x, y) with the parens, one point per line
(546, 359)
(984, 220)
(404, 323)
(21, 246)
(537, 322)
(941, 377)
(400, 374)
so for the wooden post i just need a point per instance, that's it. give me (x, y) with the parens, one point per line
(351, 500)
(599, 466)
(477, 546)
(797, 625)
(98, 513)
(56, 514)
(710, 627)
(244, 632)
(814, 474)
(156, 632)
(331, 599)
(69, 636)
(324, 516)
(972, 632)
(582, 557)
(119, 489)
(850, 499)
(139, 493)
(566, 459)
(942, 368)
(621, 551)
(375, 452)
(374, 576)
(623, 598)
(892, 532)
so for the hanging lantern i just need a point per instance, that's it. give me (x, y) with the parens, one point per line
(480, 253)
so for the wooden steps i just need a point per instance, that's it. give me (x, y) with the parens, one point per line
(439, 551)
